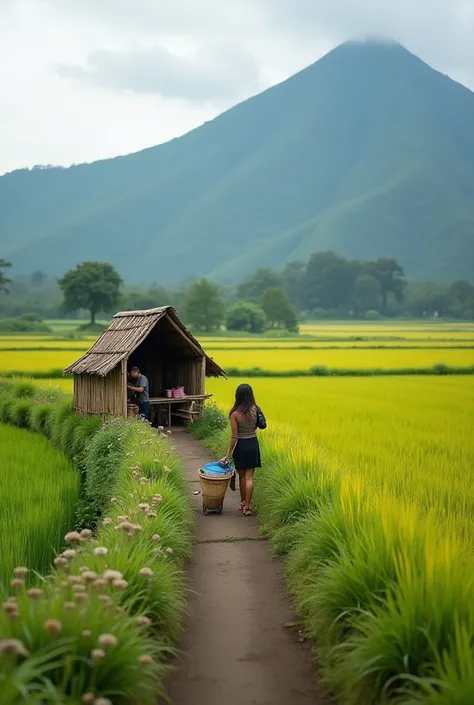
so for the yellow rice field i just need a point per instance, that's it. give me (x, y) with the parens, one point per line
(32, 343)
(345, 358)
(390, 329)
(279, 359)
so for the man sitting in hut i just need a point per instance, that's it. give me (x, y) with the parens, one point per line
(139, 388)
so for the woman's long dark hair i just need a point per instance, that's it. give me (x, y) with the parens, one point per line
(244, 400)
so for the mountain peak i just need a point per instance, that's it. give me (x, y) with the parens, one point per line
(369, 153)
(375, 40)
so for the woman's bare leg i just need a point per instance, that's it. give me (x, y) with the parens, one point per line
(248, 488)
(242, 487)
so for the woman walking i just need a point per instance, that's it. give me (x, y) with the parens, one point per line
(245, 417)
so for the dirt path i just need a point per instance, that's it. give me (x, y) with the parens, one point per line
(236, 649)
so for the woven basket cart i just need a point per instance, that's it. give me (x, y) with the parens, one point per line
(213, 491)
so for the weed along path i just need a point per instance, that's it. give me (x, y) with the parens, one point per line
(236, 649)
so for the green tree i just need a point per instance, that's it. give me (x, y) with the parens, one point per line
(4, 281)
(38, 278)
(329, 280)
(203, 307)
(139, 299)
(391, 277)
(251, 288)
(94, 286)
(292, 282)
(246, 316)
(278, 309)
(367, 293)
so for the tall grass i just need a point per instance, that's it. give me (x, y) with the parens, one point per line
(385, 590)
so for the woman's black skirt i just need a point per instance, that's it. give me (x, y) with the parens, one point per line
(246, 454)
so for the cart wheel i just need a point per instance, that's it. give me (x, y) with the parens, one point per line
(204, 509)
(220, 510)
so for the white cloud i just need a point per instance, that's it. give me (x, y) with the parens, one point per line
(153, 69)
(212, 74)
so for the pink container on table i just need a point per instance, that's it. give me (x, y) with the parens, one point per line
(169, 393)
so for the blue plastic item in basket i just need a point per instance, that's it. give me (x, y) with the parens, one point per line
(216, 469)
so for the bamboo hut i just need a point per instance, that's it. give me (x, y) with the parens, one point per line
(159, 344)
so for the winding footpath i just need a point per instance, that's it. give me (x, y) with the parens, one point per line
(237, 648)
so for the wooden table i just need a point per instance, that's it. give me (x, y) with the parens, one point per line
(187, 400)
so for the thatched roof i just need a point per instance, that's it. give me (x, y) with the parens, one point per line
(126, 332)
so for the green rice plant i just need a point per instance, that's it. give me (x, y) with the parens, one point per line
(454, 684)
(53, 426)
(84, 430)
(19, 412)
(24, 388)
(38, 491)
(39, 414)
(405, 637)
(6, 402)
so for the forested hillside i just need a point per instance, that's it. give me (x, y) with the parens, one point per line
(369, 153)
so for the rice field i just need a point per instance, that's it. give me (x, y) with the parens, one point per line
(38, 492)
(344, 358)
(388, 329)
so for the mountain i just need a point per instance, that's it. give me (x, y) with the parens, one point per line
(368, 152)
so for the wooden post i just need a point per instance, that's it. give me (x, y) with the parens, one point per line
(123, 371)
(203, 376)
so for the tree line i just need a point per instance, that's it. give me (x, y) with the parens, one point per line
(327, 286)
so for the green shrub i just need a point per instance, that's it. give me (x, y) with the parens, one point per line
(101, 463)
(32, 317)
(16, 325)
(212, 422)
(372, 315)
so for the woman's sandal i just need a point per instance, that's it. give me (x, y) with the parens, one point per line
(241, 507)
(247, 512)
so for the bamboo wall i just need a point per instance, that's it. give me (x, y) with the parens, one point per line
(184, 373)
(94, 394)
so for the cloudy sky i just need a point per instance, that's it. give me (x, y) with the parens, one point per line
(86, 79)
